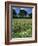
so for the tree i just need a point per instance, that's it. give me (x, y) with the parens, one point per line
(30, 15)
(14, 13)
(22, 13)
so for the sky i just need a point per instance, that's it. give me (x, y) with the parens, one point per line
(29, 10)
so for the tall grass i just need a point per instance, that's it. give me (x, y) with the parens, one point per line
(21, 28)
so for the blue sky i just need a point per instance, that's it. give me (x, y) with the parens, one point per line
(29, 10)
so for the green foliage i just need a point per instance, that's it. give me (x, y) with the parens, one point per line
(22, 28)
(22, 13)
(14, 13)
(30, 15)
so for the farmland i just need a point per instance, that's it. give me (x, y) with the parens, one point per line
(21, 28)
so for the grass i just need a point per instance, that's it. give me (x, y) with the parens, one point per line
(21, 28)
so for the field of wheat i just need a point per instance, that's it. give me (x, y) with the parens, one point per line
(21, 28)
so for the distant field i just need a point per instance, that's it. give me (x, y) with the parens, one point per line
(21, 28)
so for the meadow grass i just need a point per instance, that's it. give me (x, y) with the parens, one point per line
(21, 28)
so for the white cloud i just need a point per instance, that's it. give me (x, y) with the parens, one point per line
(22, 8)
(13, 8)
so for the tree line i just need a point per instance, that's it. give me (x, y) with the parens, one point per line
(21, 14)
